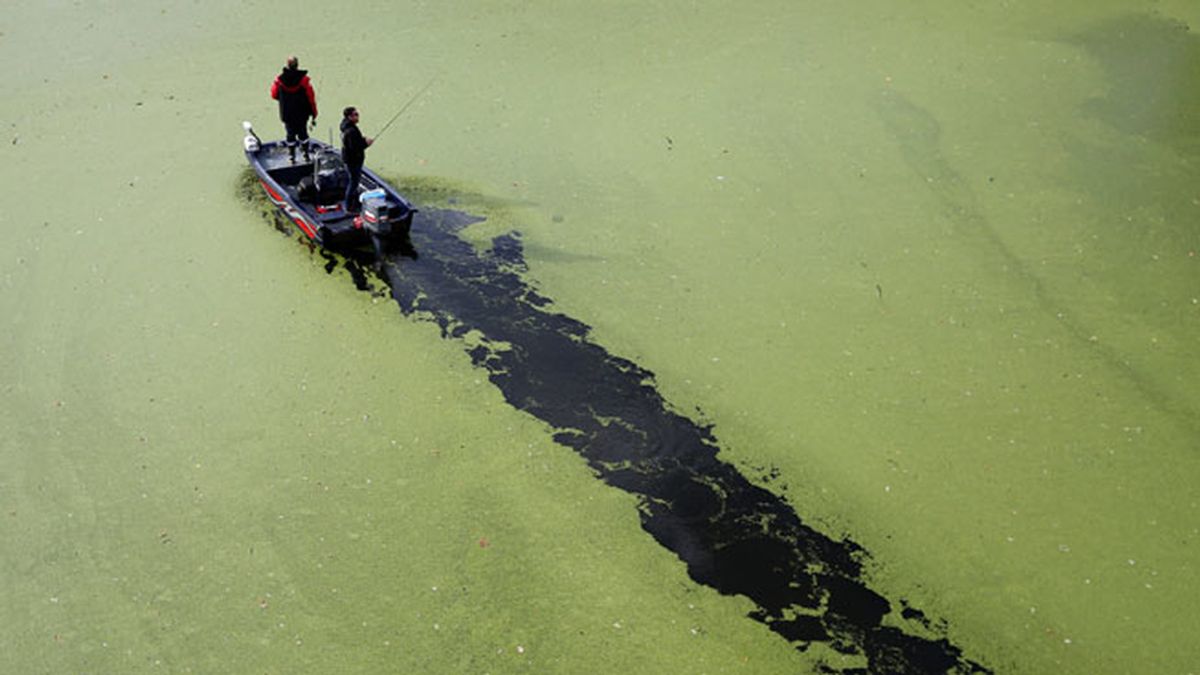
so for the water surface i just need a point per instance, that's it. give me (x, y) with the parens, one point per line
(934, 268)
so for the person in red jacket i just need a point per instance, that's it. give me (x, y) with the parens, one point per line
(297, 103)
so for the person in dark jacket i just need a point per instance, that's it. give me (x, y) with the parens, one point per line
(297, 103)
(354, 153)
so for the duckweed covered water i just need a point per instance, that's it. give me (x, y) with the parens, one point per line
(929, 273)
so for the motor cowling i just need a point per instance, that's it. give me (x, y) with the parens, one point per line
(377, 216)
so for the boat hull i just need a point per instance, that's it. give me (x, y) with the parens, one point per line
(323, 218)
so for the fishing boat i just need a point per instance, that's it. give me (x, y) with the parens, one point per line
(308, 185)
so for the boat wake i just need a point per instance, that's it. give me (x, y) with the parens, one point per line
(734, 536)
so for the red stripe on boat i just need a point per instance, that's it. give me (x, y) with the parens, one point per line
(312, 234)
(273, 194)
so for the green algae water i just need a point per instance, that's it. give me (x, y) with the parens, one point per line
(932, 268)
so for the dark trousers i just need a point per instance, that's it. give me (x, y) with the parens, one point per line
(352, 204)
(297, 130)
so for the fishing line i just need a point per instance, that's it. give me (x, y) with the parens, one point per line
(406, 105)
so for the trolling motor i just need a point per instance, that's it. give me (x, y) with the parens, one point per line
(251, 142)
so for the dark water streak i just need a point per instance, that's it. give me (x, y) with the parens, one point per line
(734, 535)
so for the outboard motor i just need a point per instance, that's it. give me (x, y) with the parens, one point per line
(387, 223)
(377, 213)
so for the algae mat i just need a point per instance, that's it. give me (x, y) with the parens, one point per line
(929, 274)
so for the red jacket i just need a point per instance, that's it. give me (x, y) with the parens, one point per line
(294, 91)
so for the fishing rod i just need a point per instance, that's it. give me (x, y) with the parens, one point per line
(406, 105)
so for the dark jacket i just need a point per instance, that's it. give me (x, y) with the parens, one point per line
(297, 100)
(354, 146)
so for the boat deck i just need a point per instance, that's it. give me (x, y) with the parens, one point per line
(274, 156)
(326, 222)
(277, 161)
